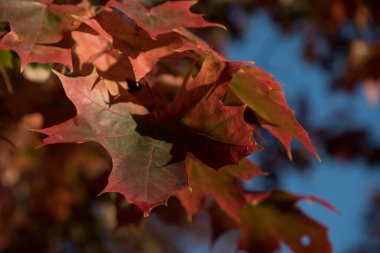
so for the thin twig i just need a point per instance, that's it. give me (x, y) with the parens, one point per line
(7, 81)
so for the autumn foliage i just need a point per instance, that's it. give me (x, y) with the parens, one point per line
(176, 117)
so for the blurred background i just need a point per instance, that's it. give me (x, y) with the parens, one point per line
(327, 55)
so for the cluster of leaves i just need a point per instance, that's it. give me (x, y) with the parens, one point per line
(172, 113)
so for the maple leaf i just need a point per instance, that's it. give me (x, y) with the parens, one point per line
(143, 171)
(264, 96)
(222, 185)
(33, 25)
(216, 134)
(273, 217)
(162, 18)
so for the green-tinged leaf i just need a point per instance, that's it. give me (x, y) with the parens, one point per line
(143, 171)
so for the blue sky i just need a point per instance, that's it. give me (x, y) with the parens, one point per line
(345, 184)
